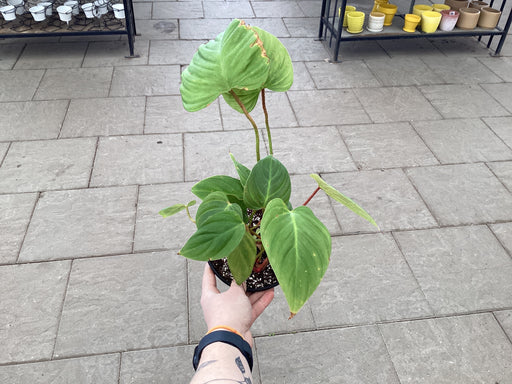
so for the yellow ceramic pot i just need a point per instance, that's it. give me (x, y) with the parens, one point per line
(377, 3)
(355, 22)
(348, 8)
(430, 21)
(389, 11)
(410, 22)
(440, 7)
(418, 9)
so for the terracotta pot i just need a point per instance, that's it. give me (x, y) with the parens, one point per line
(478, 4)
(457, 4)
(448, 20)
(489, 18)
(468, 18)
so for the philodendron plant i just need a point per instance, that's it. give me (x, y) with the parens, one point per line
(249, 218)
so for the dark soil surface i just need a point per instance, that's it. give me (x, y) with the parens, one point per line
(260, 281)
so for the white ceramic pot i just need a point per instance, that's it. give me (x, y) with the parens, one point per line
(118, 11)
(89, 10)
(73, 4)
(8, 12)
(38, 12)
(101, 7)
(376, 22)
(48, 7)
(65, 13)
(448, 20)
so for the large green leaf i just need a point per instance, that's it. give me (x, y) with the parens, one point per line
(241, 260)
(248, 98)
(234, 60)
(172, 210)
(269, 179)
(216, 238)
(298, 247)
(341, 198)
(280, 76)
(229, 185)
(215, 202)
(242, 170)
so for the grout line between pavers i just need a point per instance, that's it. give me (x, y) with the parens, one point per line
(9, 144)
(411, 124)
(144, 120)
(496, 176)
(493, 98)
(93, 163)
(62, 122)
(388, 353)
(120, 367)
(501, 326)
(36, 202)
(137, 197)
(493, 131)
(500, 242)
(62, 309)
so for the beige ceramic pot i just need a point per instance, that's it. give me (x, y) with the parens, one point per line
(478, 4)
(468, 18)
(489, 18)
(457, 4)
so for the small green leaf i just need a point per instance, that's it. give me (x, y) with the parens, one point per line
(229, 185)
(215, 202)
(216, 238)
(339, 197)
(241, 260)
(269, 179)
(175, 209)
(242, 170)
(298, 247)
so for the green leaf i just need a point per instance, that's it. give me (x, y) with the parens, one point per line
(280, 76)
(172, 210)
(242, 170)
(216, 238)
(248, 98)
(213, 203)
(234, 60)
(339, 197)
(298, 247)
(229, 185)
(269, 179)
(241, 260)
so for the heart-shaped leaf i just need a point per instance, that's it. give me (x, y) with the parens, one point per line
(236, 59)
(269, 179)
(241, 260)
(242, 170)
(172, 210)
(213, 203)
(216, 238)
(298, 247)
(341, 198)
(229, 185)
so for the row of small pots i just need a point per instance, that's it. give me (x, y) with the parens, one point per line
(464, 18)
(66, 11)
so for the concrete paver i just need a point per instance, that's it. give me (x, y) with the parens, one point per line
(93, 145)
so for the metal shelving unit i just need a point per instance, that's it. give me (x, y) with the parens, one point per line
(333, 34)
(25, 26)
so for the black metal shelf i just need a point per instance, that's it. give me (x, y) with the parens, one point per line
(25, 26)
(332, 32)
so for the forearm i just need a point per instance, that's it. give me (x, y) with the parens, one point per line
(222, 363)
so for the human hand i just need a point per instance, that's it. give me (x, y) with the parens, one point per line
(233, 308)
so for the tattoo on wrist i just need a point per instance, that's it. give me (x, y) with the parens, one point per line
(239, 364)
(206, 363)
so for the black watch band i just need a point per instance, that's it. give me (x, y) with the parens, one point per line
(223, 337)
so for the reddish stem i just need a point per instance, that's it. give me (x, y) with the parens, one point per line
(260, 265)
(312, 195)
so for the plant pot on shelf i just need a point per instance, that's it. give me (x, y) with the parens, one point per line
(8, 12)
(348, 8)
(376, 22)
(38, 12)
(411, 21)
(440, 7)
(430, 21)
(418, 9)
(478, 4)
(355, 22)
(489, 18)
(376, 4)
(468, 18)
(448, 20)
(389, 10)
(457, 4)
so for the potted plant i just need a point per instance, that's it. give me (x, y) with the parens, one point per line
(248, 222)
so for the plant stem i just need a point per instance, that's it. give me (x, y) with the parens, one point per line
(239, 102)
(312, 195)
(190, 216)
(266, 121)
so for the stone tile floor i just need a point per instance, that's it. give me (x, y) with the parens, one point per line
(92, 145)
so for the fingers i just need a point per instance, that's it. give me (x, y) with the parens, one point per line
(209, 282)
(261, 302)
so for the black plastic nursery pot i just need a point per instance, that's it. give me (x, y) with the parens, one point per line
(257, 281)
